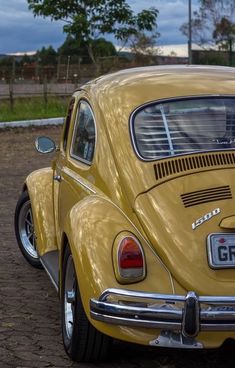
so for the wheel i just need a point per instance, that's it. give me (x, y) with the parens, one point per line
(82, 342)
(24, 230)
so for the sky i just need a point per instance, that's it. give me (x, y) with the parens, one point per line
(21, 32)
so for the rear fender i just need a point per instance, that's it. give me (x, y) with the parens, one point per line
(91, 228)
(40, 188)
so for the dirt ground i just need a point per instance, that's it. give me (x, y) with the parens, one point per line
(30, 333)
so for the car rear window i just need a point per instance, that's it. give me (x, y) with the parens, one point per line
(184, 126)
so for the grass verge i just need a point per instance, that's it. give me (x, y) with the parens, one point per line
(33, 108)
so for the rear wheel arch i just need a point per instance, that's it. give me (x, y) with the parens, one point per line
(64, 245)
(25, 188)
(82, 342)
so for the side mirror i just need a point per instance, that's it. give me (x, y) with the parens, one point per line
(45, 145)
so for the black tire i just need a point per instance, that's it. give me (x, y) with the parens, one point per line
(24, 230)
(82, 342)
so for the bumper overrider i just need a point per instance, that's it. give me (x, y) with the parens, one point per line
(180, 318)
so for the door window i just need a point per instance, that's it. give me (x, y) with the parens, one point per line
(83, 143)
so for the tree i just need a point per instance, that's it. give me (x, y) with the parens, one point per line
(213, 22)
(87, 20)
(74, 47)
(46, 56)
(71, 47)
(142, 44)
(103, 48)
(26, 59)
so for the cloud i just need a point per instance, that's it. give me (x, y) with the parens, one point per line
(20, 31)
(172, 14)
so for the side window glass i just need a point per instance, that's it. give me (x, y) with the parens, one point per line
(67, 123)
(83, 144)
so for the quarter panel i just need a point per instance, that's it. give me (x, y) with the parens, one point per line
(91, 228)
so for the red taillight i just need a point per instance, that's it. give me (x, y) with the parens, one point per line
(130, 258)
(130, 255)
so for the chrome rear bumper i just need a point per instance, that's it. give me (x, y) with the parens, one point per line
(186, 315)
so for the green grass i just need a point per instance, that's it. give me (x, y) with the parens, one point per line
(33, 108)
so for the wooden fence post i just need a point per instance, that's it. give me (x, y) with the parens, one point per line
(11, 95)
(45, 91)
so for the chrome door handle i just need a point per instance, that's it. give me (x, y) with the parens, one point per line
(57, 178)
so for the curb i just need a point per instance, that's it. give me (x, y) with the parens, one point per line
(29, 123)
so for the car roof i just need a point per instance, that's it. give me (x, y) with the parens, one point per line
(143, 73)
(131, 88)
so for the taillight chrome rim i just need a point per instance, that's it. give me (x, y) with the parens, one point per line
(129, 259)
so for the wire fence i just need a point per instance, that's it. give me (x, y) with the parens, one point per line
(68, 69)
(61, 76)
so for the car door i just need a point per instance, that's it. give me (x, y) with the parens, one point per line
(58, 164)
(74, 168)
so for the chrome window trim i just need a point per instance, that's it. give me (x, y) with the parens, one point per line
(67, 125)
(164, 100)
(78, 158)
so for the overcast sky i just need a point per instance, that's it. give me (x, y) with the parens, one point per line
(20, 31)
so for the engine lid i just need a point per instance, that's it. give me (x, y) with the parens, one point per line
(179, 215)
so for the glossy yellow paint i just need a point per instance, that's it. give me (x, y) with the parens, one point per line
(168, 226)
(119, 94)
(228, 223)
(118, 192)
(39, 185)
(93, 257)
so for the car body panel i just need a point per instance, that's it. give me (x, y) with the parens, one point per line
(39, 185)
(185, 253)
(91, 254)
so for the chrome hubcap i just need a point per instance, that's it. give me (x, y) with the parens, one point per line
(69, 297)
(26, 230)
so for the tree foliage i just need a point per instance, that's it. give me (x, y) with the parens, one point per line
(46, 56)
(72, 46)
(214, 22)
(90, 19)
(142, 44)
(103, 48)
(224, 32)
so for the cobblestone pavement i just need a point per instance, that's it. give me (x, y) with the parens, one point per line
(29, 308)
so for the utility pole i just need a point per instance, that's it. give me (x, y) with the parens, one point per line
(231, 50)
(189, 32)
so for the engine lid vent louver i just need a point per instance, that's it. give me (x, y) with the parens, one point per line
(206, 195)
(179, 165)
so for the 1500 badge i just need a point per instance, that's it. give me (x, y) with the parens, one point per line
(205, 218)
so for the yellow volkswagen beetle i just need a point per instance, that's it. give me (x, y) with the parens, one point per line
(135, 219)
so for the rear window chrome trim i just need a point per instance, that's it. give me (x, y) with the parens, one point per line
(171, 99)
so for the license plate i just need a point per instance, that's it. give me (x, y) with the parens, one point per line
(221, 250)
